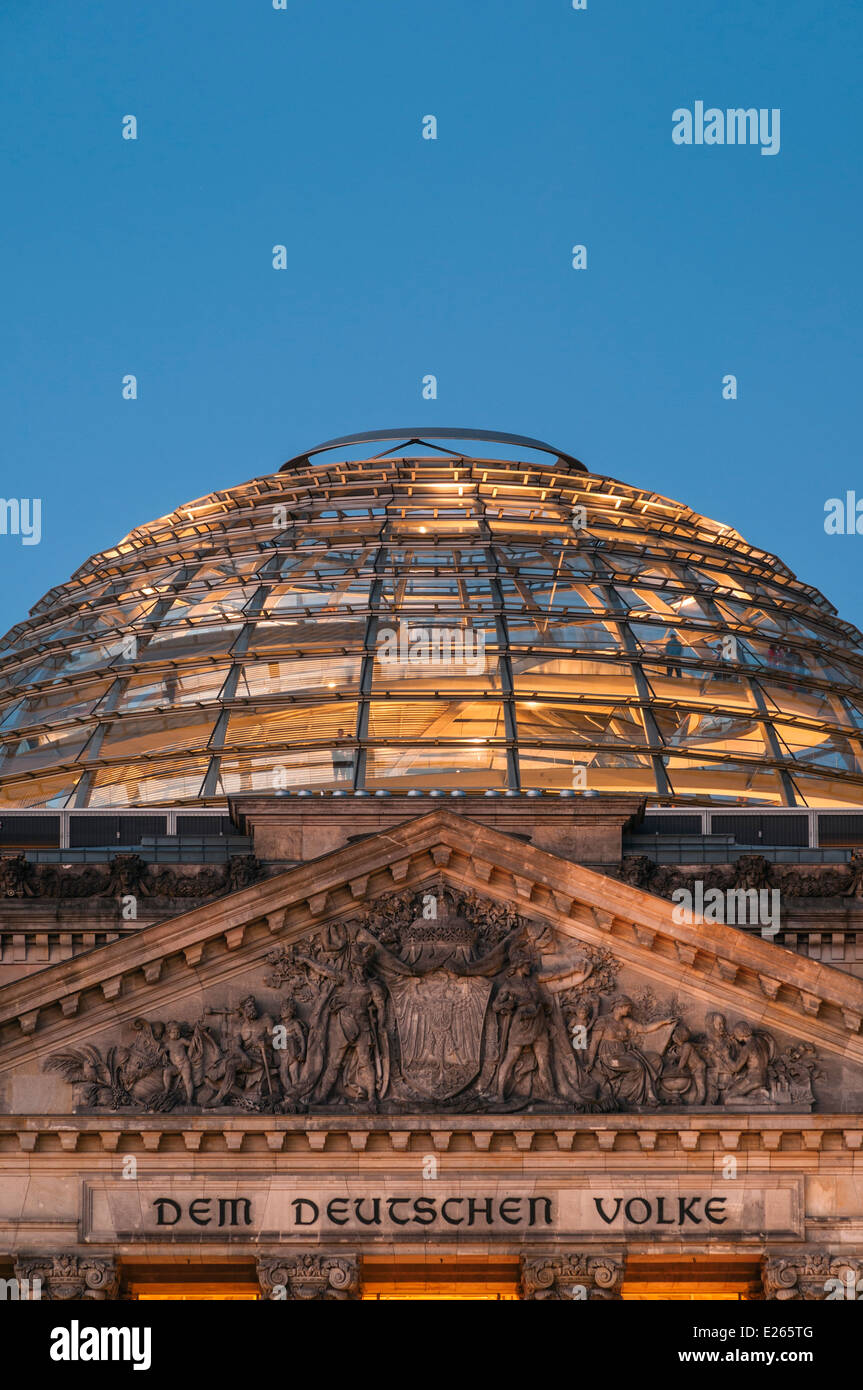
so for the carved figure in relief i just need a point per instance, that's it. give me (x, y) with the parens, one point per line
(293, 1053)
(243, 1066)
(524, 1018)
(353, 1047)
(178, 1064)
(616, 1051)
(749, 1071)
(440, 1000)
(684, 1072)
(142, 1065)
(719, 1053)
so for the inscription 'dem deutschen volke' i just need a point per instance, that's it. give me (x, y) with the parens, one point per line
(370, 1211)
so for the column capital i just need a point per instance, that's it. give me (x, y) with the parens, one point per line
(811, 1274)
(309, 1275)
(572, 1274)
(69, 1276)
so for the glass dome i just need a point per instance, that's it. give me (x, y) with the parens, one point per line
(424, 619)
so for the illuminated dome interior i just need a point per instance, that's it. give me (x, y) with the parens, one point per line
(431, 620)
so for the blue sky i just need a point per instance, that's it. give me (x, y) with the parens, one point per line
(407, 256)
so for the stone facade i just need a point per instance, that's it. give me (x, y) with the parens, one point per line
(438, 1042)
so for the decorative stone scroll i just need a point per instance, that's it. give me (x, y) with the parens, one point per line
(812, 1275)
(310, 1276)
(63, 1277)
(448, 1003)
(572, 1276)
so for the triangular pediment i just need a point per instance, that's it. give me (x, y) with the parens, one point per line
(440, 965)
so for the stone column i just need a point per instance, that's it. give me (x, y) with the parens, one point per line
(309, 1276)
(572, 1275)
(69, 1276)
(811, 1275)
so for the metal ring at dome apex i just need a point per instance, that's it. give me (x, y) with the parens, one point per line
(416, 434)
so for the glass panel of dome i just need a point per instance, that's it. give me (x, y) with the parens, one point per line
(194, 607)
(173, 644)
(854, 711)
(451, 680)
(436, 719)
(426, 592)
(216, 573)
(141, 784)
(694, 658)
(19, 677)
(284, 771)
(50, 746)
(560, 594)
(285, 728)
(575, 635)
(132, 736)
(582, 723)
(65, 703)
(556, 769)
(539, 675)
(774, 621)
(423, 523)
(12, 716)
(656, 639)
(640, 564)
(49, 790)
(174, 687)
(439, 557)
(427, 649)
(775, 657)
(732, 585)
(827, 791)
(504, 526)
(724, 732)
(325, 633)
(814, 746)
(700, 687)
(334, 562)
(305, 597)
(808, 703)
(312, 676)
(68, 663)
(827, 669)
(112, 617)
(724, 781)
(109, 617)
(474, 767)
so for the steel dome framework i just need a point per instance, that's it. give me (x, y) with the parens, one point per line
(238, 644)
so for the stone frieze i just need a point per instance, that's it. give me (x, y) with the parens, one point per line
(445, 1002)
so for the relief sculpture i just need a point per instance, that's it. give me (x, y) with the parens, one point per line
(442, 1001)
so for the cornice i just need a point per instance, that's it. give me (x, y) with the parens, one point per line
(661, 1134)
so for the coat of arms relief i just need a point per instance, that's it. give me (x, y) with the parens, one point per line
(442, 1001)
